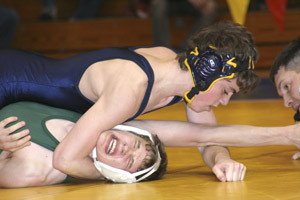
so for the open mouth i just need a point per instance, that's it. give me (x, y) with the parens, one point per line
(112, 145)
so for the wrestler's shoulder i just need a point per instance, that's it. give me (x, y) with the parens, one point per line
(158, 51)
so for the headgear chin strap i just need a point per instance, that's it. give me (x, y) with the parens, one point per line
(209, 67)
(122, 176)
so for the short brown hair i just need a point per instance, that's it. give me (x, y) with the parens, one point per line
(286, 58)
(152, 157)
(229, 38)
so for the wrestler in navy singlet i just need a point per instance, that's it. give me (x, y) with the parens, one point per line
(32, 77)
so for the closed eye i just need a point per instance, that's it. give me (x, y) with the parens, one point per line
(130, 162)
(234, 91)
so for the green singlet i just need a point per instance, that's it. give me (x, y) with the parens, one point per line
(35, 115)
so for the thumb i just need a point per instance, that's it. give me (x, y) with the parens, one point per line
(219, 173)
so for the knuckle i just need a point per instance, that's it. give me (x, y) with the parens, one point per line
(237, 165)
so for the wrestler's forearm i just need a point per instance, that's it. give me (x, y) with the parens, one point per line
(82, 169)
(235, 135)
(244, 135)
(78, 167)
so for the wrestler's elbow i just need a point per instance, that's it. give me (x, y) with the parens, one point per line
(60, 162)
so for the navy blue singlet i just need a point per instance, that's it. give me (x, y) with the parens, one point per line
(28, 76)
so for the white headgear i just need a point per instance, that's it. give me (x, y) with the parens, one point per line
(122, 176)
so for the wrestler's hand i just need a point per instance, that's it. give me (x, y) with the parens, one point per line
(229, 170)
(15, 141)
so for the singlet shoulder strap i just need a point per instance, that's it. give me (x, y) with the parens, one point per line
(176, 99)
(146, 67)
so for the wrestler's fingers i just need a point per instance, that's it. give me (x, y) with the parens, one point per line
(18, 136)
(219, 174)
(240, 172)
(18, 144)
(236, 171)
(14, 127)
(243, 173)
(229, 173)
(8, 120)
(28, 143)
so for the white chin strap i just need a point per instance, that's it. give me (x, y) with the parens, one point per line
(122, 176)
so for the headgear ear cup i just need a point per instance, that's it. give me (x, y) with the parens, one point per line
(208, 67)
(122, 176)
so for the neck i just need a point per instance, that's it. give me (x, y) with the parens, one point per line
(176, 80)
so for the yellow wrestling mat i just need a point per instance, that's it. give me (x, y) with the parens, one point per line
(271, 174)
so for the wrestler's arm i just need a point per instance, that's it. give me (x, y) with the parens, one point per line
(115, 106)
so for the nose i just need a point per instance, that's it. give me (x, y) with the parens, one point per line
(127, 149)
(287, 101)
(124, 149)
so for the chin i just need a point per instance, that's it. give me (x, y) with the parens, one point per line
(199, 108)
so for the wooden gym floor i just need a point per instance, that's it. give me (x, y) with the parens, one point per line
(271, 174)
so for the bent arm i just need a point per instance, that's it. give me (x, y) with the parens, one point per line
(72, 154)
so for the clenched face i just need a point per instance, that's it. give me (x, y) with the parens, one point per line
(122, 150)
(287, 83)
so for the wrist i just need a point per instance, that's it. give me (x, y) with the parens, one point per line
(220, 157)
(292, 137)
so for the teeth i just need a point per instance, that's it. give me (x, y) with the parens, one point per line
(112, 146)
